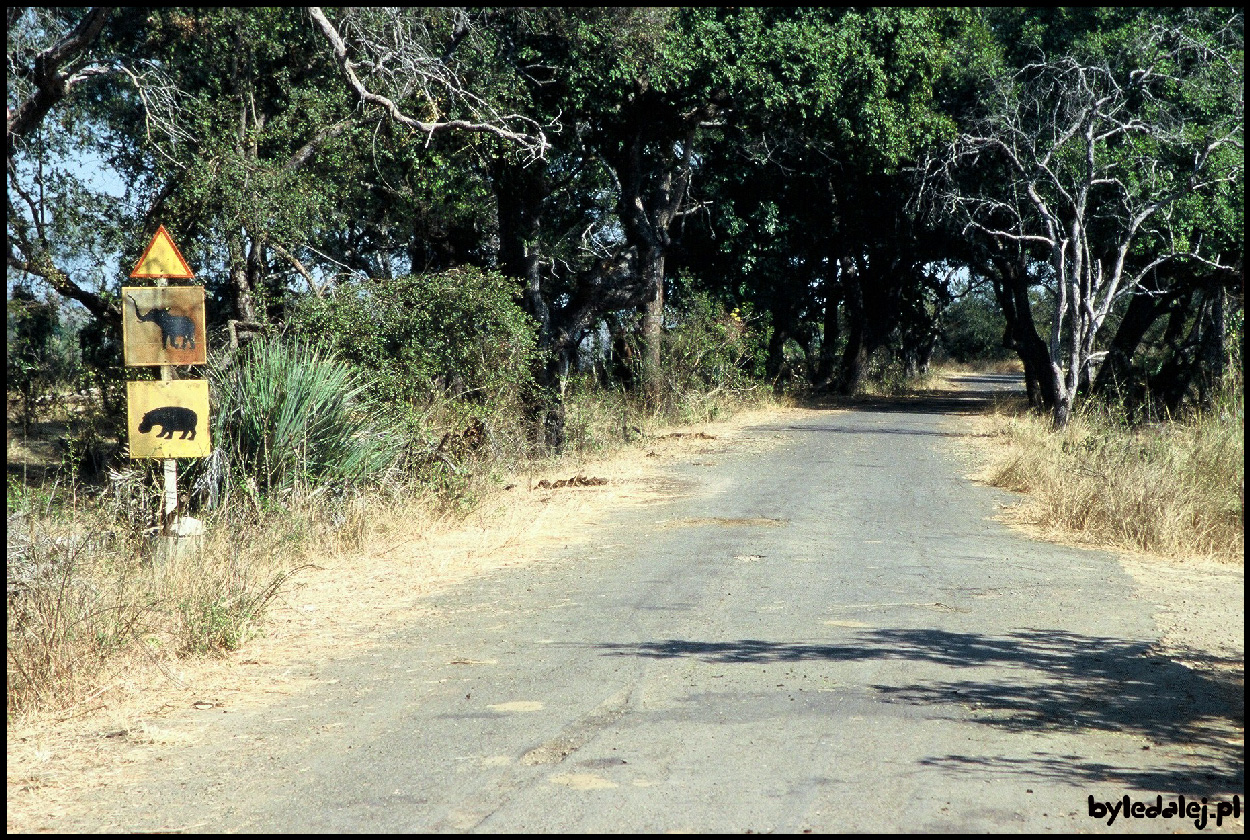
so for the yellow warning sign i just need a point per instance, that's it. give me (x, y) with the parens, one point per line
(163, 325)
(168, 419)
(162, 259)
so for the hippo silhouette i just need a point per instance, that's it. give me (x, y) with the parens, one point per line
(171, 418)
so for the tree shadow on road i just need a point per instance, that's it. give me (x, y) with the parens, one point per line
(1071, 682)
(972, 394)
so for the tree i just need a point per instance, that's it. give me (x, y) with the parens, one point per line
(649, 75)
(38, 357)
(247, 170)
(208, 118)
(398, 46)
(53, 57)
(809, 198)
(1103, 147)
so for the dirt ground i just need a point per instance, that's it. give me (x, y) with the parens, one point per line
(344, 604)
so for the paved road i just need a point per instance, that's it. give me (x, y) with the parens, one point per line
(828, 631)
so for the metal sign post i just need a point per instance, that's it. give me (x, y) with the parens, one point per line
(171, 466)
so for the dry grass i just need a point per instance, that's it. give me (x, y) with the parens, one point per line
(950, 366)
(91, 603)
(1172, 489)
(889, 381)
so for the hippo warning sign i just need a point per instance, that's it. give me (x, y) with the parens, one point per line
(168, 419)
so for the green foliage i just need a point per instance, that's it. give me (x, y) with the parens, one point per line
(100, 344)
(232, 126)
(708, 347)
(224, 614)
(41, 355)
(291, 415)
(456, 334)
(972, 330)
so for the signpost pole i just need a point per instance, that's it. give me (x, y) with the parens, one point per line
(171, 466)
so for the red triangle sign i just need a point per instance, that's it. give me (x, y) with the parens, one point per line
(162, 259)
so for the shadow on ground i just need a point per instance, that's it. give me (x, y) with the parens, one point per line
(1070, 682)
(975, 393)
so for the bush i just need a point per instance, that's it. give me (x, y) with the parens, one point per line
(710, 348)
(456, 334)
(292, 415)
(40, 356)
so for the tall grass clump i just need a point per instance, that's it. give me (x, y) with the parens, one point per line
(291, 416)
(713, 363)
(95, 598)
(1173, 488)
(75, 598)
(711, 358)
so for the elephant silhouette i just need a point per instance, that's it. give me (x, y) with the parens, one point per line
(177, 331)
(171, 418)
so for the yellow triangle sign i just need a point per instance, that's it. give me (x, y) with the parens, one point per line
(162, 259)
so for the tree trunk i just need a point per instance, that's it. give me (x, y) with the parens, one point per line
(776, 367)
(241, 292)
(1143, 310)
(1213, 349)
(826, 370)
(1191, 363)
(855, 356)
(1062, 410)
(519, 194)
(653, 325)
(1011, 288)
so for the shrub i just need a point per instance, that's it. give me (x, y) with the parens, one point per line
(972, 329)
(40, 355)
(709, 348)
(291, 415)
(456, 334)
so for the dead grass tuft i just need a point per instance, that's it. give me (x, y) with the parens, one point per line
(1173, 489)
(89, 601)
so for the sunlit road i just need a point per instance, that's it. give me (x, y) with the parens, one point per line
(827, 631)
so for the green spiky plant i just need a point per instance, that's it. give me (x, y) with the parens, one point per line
(292, 416)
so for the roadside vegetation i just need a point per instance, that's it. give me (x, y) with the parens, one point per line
(1170, 485)
(313, 453)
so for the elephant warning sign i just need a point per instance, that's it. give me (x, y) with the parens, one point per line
(168, 419)
(162, 259)
(163, 325)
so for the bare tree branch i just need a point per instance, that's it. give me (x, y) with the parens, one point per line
(1087, 170)
(535, 144)
(52, 84)
(60, 280)
(317, 288)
